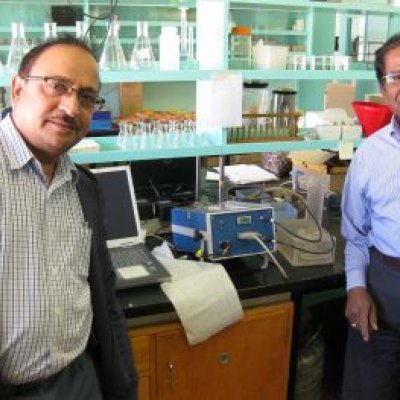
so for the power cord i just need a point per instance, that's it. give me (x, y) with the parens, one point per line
(284, 191)
(257, 237)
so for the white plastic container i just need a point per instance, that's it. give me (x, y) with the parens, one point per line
(351, 132)
(329, 132)
(169, 49)
(270, 57)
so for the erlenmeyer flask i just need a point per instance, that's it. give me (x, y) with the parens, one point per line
(112, 57)
(142, 54)
(18, 46)
(82, 31)
(50, 30)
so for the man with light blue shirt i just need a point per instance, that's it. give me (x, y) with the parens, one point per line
(62, 333)
(371, 229)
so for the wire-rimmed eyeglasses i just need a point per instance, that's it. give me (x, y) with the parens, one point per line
(60, 86)
(391, 77)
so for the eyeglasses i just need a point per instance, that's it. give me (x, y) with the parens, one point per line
(391, 77)
(57, 86)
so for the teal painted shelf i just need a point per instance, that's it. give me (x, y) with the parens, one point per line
(340, 7)
(282, 146)
(133, 3)
(111, 152)
(310, 74)
(195, 75)
(276, 32)
(206, 144)
(154, 76)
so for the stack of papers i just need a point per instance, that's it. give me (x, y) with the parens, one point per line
(241, 174)
(86, 145)
(203, 296)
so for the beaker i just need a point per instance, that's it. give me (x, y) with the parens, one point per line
(50, 30)
(283, 104)
(255, 101)
(142, 54)
(18, 47)
(112, 57)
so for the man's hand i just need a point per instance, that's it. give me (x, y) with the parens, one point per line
(361, 311)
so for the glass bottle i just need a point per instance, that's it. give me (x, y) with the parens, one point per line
(142, 54)
(240, 47)
(18, 47)
(184, 46)
(112, 56)
(169, 48)
(50, 30)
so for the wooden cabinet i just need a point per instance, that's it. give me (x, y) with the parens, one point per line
(248, 360)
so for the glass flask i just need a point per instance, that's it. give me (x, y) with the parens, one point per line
(18, 47)
(112, 56)
(82, 31)
(50, 30)
(142, 54)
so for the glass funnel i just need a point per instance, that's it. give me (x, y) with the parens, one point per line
(18, 47)
(112, 56)
(142, 54)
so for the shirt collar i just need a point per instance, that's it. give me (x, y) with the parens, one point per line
(19, 155)
(395, 125)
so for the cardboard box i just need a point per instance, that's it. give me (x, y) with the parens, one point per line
(323, 162)
(130, 98)
(340, 95)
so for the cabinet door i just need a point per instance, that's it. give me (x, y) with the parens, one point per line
(141, 350)
(248, 360)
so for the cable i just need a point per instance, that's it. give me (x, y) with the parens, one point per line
(265, 261)
(301, 198)
(107, 15)
(275, 261)
(153, 186)
(330, 250)
(256, 236)
(304, 239)
(172, 247)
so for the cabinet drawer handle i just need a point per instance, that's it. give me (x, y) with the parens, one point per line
(224, 358)
(171, 375)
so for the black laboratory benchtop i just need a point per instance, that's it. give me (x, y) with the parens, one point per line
(250, 281)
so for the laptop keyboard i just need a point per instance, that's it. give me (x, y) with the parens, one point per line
(129, 256)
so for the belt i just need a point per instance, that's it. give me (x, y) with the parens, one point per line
(387, 260)
(25, 388)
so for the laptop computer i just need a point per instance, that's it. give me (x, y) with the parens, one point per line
(133, 262)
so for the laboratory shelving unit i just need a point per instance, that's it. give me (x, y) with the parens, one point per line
(161, 12)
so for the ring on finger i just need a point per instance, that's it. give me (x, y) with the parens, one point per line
(354, 325)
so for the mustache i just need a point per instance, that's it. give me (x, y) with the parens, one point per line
(72, 122)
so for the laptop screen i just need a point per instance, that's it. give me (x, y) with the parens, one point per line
(120, 210)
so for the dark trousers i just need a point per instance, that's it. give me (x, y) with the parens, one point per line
(372, 369)
(78, 381)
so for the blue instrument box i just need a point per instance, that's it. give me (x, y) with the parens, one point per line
(101, 120)
(213, 231)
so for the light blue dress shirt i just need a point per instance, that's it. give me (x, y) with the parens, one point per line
(371, 202)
